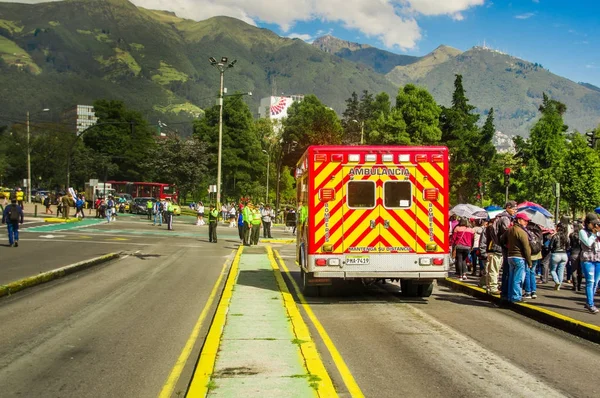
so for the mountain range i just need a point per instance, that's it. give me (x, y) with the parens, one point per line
(57, 54)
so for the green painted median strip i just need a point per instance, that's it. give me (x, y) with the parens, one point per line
(65, 226)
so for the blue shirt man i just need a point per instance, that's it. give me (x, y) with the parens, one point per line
(12, 216)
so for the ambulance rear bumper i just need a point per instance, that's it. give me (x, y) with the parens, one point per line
(382, 275)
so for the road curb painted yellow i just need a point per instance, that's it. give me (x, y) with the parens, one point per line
(340, 364)
(308, 350)
(208, 356)
(551, 318)
(48, 276)
(286, 241)
(175, 374)
(61, 220)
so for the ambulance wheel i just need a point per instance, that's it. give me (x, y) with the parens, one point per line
(308, 291)
(425, 290)
(409, 289)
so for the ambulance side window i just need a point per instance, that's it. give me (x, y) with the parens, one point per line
(361, 194)
(397, 194)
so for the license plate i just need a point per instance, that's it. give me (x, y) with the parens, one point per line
(357, 260)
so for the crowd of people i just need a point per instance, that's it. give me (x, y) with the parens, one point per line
(512, 255)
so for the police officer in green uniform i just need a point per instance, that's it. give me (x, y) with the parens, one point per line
(149, 206)
(247, 219)
(213, 217)
(256, 221)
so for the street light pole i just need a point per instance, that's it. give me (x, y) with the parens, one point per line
(221, 66)
(268, 163)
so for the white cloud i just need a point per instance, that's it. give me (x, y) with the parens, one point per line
(591, 66)
(305, 37)
(525, 16)
(393, 22)
(536, 1)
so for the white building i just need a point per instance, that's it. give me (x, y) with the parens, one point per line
(80, 117)
(276, 108)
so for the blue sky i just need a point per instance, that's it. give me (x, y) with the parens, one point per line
(563, 36)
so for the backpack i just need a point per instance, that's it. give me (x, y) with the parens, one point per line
(13, 214)
(534, 242)
(161, 206)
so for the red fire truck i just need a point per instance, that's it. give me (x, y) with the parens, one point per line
(372, 213)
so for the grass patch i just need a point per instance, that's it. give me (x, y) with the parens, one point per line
(187, 107)
(313, 381)
(274, 298)
(299, 342)
(136, 46)
(211, 385)
(11, 26)
(103, 38)
(54, 23)
(167, 74)
(84, 32)
(115, 64)
(12, 54)
(298, 376)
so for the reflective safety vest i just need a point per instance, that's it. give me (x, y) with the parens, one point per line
(149, 204)
(170, 207)
(20, 195)
(256, 217)
(213, 215)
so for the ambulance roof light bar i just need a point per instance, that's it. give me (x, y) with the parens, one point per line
(354, 158)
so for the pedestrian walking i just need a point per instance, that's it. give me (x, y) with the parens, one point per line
(462, 242)
(213, 219)
(79, 203)
(232, 216)
(519, 257)
(590, 259)
(494, 258)
(66, 205)
(240, 223)
(503, 222)
(20, 196)
(559, 245)
(574, 257)
(267, 217)
(200, 213)
(157, 209)
(110, 208)
(247, 217)
(536, 239)
(47, 204)
(149, 207)
(169, 214)
(476, 269)
(256, 221)
(12, 216)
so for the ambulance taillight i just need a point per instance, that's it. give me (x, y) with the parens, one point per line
(431, 194)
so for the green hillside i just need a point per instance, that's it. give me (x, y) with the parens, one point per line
(511, 86)
(76, 51)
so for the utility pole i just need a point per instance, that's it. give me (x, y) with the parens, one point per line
(268, 163)
(28, 163)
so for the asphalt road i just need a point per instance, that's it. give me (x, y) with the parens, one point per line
(112, 331)
(450, 345)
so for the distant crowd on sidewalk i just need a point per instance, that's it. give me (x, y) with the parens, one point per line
(510, 253)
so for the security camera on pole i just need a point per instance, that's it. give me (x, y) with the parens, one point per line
(222, 66)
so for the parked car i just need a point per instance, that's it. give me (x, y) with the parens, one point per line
(40, 196)
(139, 205)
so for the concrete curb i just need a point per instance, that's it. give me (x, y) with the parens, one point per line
(566, 324)
(16, 286)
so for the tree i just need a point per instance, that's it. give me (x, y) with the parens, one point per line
(580, 179)
(242, 157)
(126, 136)
(389, 129)
(420, 113)
(179, 161)
(461, 135)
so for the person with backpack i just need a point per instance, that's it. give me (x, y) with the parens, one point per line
(519, 257)
(575, 244)
(536, 238)
(493, 252)
(12, 216)
(503, 222)
(462, 241)
(559, 245)
(590, 258)
(47, 204)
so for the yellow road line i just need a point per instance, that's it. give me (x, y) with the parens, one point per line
(308, 350)
(349, 381)
(171, 382)
(208, 356)
(280, 240)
